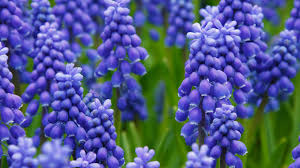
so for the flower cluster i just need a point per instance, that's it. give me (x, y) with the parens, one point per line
(72, 16)
(269, 9)
(13, 30)
(51, 54)
(96, 10)
(68, 116)
(53, 154)
(180, 22)
(144, 155)
(252, 46)
(274, 77)
(121, 50)
(296, 156)
(224, 135)
(21, 154)
(101, 133)
(41, 13)
(155, 10)
(85, 160)
(11, 116)
(199, 157)
(293, 23)
(211, 72)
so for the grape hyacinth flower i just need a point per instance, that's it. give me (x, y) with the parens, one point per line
(85, 160)
(211, 72)
(101, 133)
(224, 135)
(121, 53)
(51, 54)
(11, 116)
(21, 154)
(144, 155)
(155, 10)
(252, 46)
(53, 154)
(68, 116)
(96, 10)
(13, 30)
(73, 18)
(296, 156)
(293, 23)
(41, 13)
(275, 77)
(180, 22)
(269, 8)
(199, 157)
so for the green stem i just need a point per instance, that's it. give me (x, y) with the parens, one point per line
(258, 118)
(201, 126)
(43, 139)
(222, 159)
(16, 82)
(117, 119)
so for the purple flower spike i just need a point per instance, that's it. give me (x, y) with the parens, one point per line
(224, 135)
(15, 31)
(274, 78)
(213, 71)
(96, 10)
(85, 161)
(68, 107)
(51, 54)
(144, 155)
(181, 19)
(121, 53)
(21, 154)
(199, 157)
(73, 17)
(54, 155)
(101, 133)
(41, 13)
(11, 116)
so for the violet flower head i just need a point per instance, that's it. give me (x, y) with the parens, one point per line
(72, 16)
(269, 8)
(96, 10)
(11, 116)
(101, 133)
(13, 31)
(21, 154)
(86, 160)
(296, 156)
(41, 13)
(155, 10)
(224, 135)
(199, 157)
(252, 46)
(144, 155)
(274, 79)
(121, 53)
(180, 20)
(68, 116)
(51, 54)
(212, 72)
(53, 154)
(293, 23)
